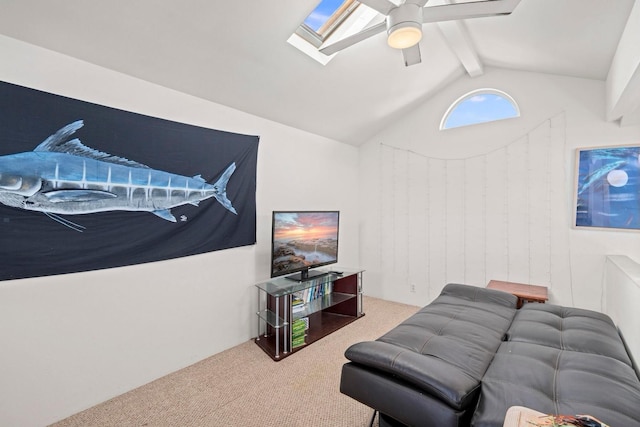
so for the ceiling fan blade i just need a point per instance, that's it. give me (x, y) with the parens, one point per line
(455, 11)
(380, 6)
(420, 3)
(351, 40)
(411, 55)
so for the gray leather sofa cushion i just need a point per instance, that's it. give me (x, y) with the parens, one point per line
(556, 381)
(446, 347)
(568, 328)
(433, 375)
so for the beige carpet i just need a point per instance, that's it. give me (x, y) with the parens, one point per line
(242, 386)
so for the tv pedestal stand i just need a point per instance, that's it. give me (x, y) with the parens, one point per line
(306, 275)
(292, 314)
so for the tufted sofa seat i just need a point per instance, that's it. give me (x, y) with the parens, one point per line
(568, 328)
(561, 360)
(467, 357)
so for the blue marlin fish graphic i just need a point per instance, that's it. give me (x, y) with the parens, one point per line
(65, 177)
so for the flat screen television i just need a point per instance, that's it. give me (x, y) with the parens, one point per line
(303, 240)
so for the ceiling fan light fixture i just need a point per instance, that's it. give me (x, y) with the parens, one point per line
(404, 26)
(405, 35)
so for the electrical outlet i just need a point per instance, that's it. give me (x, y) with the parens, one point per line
(412, 287)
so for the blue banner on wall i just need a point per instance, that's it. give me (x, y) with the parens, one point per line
(86, 187)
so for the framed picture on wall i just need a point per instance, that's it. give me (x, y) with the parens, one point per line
(607, 191)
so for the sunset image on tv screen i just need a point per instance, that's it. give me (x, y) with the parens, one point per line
(304, 240)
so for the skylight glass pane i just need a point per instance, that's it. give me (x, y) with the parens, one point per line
(333, 20)
(328, 15)
(480, 107)
(322, 13)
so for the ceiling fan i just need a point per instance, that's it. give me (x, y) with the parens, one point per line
(403, 22)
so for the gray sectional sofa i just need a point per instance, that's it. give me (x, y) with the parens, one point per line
(467, 357)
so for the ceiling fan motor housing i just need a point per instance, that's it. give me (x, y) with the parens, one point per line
(408, 18)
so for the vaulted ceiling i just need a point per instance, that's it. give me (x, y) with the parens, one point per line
(236, 53)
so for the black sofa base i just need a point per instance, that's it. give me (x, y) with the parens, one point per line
(386, 421)
(391, 395)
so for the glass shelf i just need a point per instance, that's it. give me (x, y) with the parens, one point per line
(271, 318)
(281, 286)
(319, 304)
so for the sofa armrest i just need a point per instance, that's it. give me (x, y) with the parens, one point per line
(434, 375)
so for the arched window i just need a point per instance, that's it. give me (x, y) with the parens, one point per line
(480, 106)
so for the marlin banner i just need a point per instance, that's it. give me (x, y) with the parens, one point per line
(86, 187)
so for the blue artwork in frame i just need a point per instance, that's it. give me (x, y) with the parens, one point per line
(607, 191)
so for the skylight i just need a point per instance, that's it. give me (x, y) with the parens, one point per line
(325, 18)
(480, 106)
(330, 20)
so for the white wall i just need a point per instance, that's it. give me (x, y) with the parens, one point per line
(435, 207)
(623, 81)
(492, 201)
(622, 292)
(71, 341)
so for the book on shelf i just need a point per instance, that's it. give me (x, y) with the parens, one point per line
(300, 324)
(314, 292)
(298, 342)
(297, 304)
(298, 332)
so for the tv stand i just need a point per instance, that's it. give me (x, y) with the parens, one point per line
(293, 314)
(306, 275)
